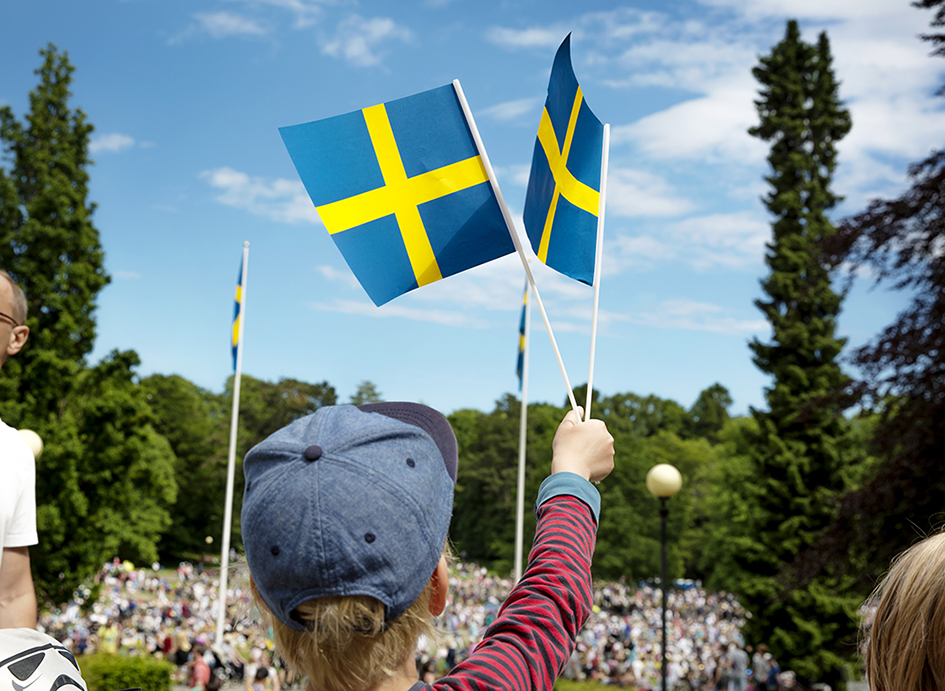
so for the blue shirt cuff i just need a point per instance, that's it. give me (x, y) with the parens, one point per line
(572, 485)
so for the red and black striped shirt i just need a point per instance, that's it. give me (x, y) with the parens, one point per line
(527, 646)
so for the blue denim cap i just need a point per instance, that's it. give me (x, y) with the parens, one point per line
(349, 501)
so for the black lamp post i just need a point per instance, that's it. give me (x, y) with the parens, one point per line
(663, 481)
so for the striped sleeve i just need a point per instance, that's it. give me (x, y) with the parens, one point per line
(529, 643)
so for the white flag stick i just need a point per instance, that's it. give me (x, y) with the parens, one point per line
(604, 159)
(522, 430)
(515, 239)
(231, 459)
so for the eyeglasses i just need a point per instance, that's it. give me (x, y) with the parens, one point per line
(12, 320)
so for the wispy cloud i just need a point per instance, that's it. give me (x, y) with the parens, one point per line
(127, 275)
(713, 128)
(342, 276)
(533, 37)
(111, 143)
(304, 12)
(224, 24)
(281, 200)
(691, 315)
(812, 9)
(367, 309)
(361, 41)
(641, 193)
(512, 110)
(730, 240)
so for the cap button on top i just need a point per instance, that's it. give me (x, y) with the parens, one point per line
(312, 453)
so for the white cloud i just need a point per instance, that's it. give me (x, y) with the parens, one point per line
(713, 128)
(691, 315)
(111, 143)
(525, 38)
(359, 41)
(305, 12)
(730, 240)
(392, 309)
(512, 110)
(223, 24)
(810, 9)
(126, 275)
(281, 200)
(342, 276)
(640, 193)
(516, 175)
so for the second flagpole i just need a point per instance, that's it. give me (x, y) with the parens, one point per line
(231, 458)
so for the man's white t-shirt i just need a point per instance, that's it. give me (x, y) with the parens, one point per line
(17, 491)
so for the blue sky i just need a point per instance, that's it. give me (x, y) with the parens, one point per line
(187, 97)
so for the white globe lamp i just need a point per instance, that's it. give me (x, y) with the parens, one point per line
(33, 441)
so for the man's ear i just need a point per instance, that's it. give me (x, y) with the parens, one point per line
(18, 337)
(441, 584)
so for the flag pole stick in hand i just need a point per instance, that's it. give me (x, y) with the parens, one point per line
(515, 239)
(604, 159)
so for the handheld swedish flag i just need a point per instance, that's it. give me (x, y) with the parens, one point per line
(563, 199)
(402, 190)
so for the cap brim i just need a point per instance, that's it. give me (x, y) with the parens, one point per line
(429, 420)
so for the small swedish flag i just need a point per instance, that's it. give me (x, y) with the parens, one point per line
(563, 199)
(402, 189)
(237, 314)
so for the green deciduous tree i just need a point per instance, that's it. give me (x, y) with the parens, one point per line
(483, 527)
(269, 406)
(367, 393)
(105, 479)
(196, 424)
(797, 456)
(47, 240)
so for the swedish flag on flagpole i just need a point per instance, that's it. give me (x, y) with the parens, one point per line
(237, 314)
(402, 189)
(520, 365)
(562, 203)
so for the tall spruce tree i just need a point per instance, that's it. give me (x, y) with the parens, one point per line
(798, 452)
(105, 479)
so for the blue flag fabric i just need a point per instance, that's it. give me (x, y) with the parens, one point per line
(520, 365)
(237, 314)
(402, 190)
(563, 198)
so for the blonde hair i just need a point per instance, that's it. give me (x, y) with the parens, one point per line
(347, 645)
(906, 647)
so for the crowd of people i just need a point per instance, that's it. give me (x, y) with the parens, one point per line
(139, 611)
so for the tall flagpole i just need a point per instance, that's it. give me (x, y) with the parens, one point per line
(522, 429)
(515, 238)
(604, 160)
(231, 459)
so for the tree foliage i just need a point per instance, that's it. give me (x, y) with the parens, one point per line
(195, 423)
(105, 479)
(367, 393)
(902, 243)
(647, 430)
(47, 239)
(104, 482)
(799, 451)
